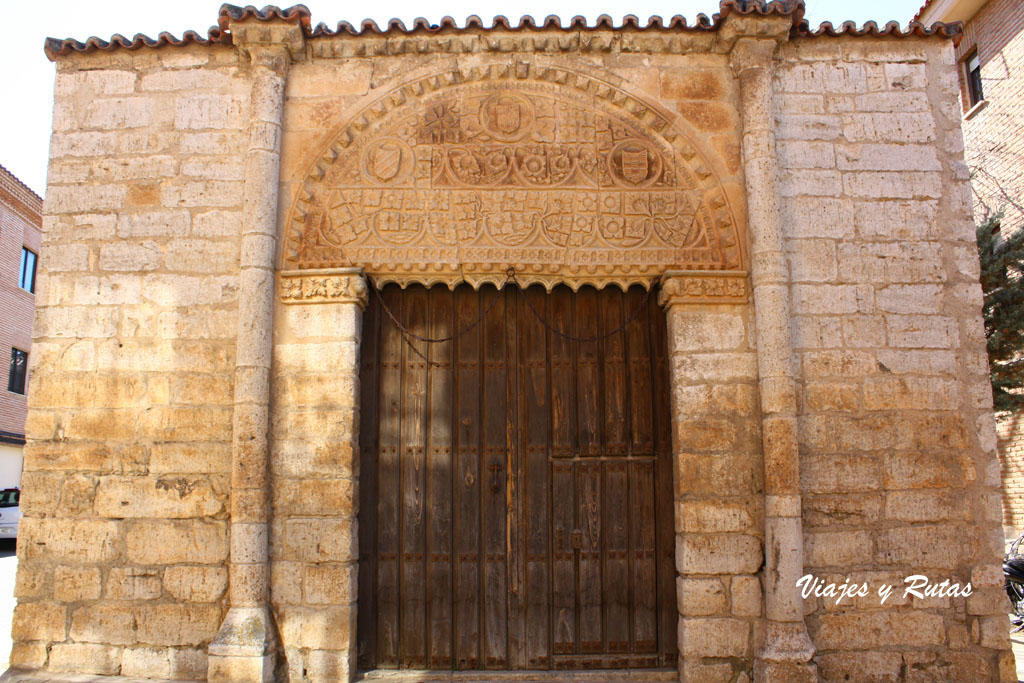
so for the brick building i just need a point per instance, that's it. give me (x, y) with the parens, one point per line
(514, 348)
(20, 223)
(990, 62)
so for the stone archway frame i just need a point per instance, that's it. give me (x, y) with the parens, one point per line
(471, 170)
(323, 275)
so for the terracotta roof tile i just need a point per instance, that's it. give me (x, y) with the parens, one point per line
(952, 30)
(56, 46)
(20, 197)
(921, 10)
(228, 13)
(301, 14)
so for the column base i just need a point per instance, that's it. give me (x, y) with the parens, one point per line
(244, 649)
(786, 654)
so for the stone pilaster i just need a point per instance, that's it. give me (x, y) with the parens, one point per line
(245, 646)
(315, 466)
(786, 650)
(717, 455)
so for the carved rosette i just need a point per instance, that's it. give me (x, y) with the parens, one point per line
(344, 286)
(692, 287)
(461, 175)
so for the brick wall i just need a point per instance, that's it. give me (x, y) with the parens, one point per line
(897, 436)
(20, 222)
(1010, 432)
(994, 135)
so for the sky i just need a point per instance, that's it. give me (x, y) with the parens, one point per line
(26, 79)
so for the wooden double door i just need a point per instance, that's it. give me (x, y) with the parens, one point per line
(515, 485)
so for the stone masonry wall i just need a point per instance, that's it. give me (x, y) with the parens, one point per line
(124, 549)
(124, 541)
(314, 465)
(719, 509)
(897, 441)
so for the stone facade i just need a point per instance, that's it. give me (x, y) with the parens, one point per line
(216, 207)
(994, 152)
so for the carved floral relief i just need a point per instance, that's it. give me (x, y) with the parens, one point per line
(555, 181)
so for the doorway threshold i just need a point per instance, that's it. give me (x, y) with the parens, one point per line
(600, 675)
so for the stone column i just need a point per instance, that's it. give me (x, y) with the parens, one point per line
(244, 649)
(786, 650)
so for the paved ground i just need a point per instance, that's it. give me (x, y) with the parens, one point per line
(22, 677)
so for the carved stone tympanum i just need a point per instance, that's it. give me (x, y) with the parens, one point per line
(466, 177)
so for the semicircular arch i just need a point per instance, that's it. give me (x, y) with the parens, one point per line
(461, 174)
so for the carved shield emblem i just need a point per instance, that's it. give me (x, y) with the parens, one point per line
(507, 116)
(634, 165)
(387, 159)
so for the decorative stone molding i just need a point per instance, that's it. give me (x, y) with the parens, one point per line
(574, 278)
(508, 42)
(462, 174)
(695, 287)
(346, 285)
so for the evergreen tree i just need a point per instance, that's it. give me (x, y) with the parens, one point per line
(1002, 268)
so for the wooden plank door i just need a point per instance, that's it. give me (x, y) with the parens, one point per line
(516, 485)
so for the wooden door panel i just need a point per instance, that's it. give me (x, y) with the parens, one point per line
(534, 439)
(494, 506)
(615, 522)
(388, 488)
(369, 394)
(564, 611)
(412, 467)
(517, 491)
(440, 475)
(466, 500)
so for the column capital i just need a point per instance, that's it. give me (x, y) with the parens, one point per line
(271, 37)
(757, 21)
(326, 286)
(703, 287)
(753, 52)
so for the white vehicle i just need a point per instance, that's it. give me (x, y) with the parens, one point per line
(10, 513)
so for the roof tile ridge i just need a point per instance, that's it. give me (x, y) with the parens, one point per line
(5, 173)
(952, 29)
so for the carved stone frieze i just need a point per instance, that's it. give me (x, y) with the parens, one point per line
(689, 287)
(461, 175)
(585, 42)
(337, 286)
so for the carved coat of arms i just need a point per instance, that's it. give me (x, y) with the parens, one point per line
(507, 116)
(387, 159)
(634, 165)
